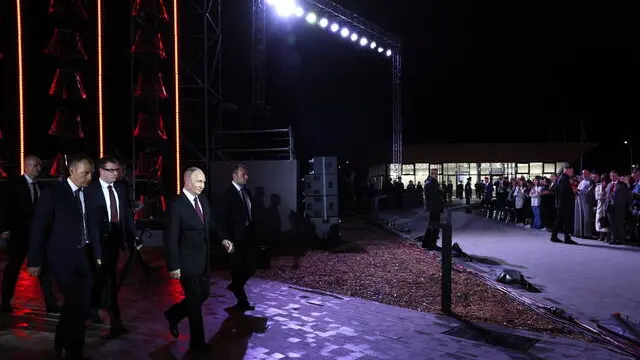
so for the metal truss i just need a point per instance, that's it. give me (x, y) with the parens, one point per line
(350, 19)
(258, 53)
(200, 77)
(397, 107)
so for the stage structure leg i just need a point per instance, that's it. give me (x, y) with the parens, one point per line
(397, 109)
(201, 74)
(353, 21)
(258, 54)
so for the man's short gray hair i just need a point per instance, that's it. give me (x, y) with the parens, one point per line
(190, 171)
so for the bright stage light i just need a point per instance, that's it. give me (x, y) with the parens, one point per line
(363, 41)
(323, 23)
(311, 18)
(299, 12)
(354, 37)
(344, 32)
(380, 49)
(388, 53)
(373, 45)
(334, 27)
(284, 8)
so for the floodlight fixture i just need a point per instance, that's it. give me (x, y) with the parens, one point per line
(299, 11)
(388, 53)
(354, 37)
(363, 41)
(323, 23)
(373, 45)
(311, 18)
(344, 32)
(285, 8)
(334, 27)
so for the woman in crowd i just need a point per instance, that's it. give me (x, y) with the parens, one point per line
(534, 194)
(601, 208)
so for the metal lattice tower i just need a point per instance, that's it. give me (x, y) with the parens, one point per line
(201, 77)
(397, 108)
(354, 22)
(258, 53)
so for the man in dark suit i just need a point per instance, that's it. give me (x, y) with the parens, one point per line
(62, 228)
(235, 226)
(22, 195)
(434, 202)
(109, 205)
(565, 203)
(188, 227)
(618, 207)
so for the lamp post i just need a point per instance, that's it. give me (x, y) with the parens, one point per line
(630, 152)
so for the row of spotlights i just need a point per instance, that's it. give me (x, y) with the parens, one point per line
(286, 8)
(344, 32)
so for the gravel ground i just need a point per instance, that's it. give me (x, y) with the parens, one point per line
(376, 265)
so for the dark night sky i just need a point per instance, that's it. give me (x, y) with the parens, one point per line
(473, 71)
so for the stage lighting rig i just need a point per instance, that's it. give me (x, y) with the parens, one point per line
(320, 14)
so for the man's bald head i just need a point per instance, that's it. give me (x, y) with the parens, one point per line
(32, 166)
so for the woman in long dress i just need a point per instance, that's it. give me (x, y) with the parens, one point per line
(601, 208)
(585, 202)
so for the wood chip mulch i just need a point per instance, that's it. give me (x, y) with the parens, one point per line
(374, 264)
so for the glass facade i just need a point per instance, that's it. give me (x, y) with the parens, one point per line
(459, 172)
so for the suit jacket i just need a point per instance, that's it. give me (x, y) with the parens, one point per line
(433, 196)
(186, 237)
(618, 200)
(232, 221)
(57, 226)
(101, 215)
(564, 193)
(18, 208)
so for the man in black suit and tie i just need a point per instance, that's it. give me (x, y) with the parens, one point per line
(565, 203)
(188, 227)
(109, 205)
(63, 228)
(235, 226)
(20, 203)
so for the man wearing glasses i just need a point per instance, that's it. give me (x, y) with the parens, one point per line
(110, 206)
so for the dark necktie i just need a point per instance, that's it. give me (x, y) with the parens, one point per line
(246, 203)
(113, 205)
(85, 233)
(34, 188)
(196, 203)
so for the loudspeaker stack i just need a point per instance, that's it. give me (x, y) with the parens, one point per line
(321, 197)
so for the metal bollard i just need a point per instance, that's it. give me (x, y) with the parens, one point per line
(445, 301)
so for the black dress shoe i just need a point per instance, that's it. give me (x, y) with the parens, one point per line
(62, 354)
(245, 306)
(53, 309)
(173, 326)
(570, 242)
(116, 331)
(200, 347)
(555, 240)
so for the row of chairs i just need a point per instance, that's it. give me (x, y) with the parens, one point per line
(500, 212)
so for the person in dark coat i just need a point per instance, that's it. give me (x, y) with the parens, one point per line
(565, 203)
(434, 203)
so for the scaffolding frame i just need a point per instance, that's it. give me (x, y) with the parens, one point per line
(201, 76)
(258, 59)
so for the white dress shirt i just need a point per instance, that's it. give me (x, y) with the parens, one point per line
(107, 199)
(191, 198)
(30, 181)
(73, 189)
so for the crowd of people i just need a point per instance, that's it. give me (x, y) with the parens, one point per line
(591, 205)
